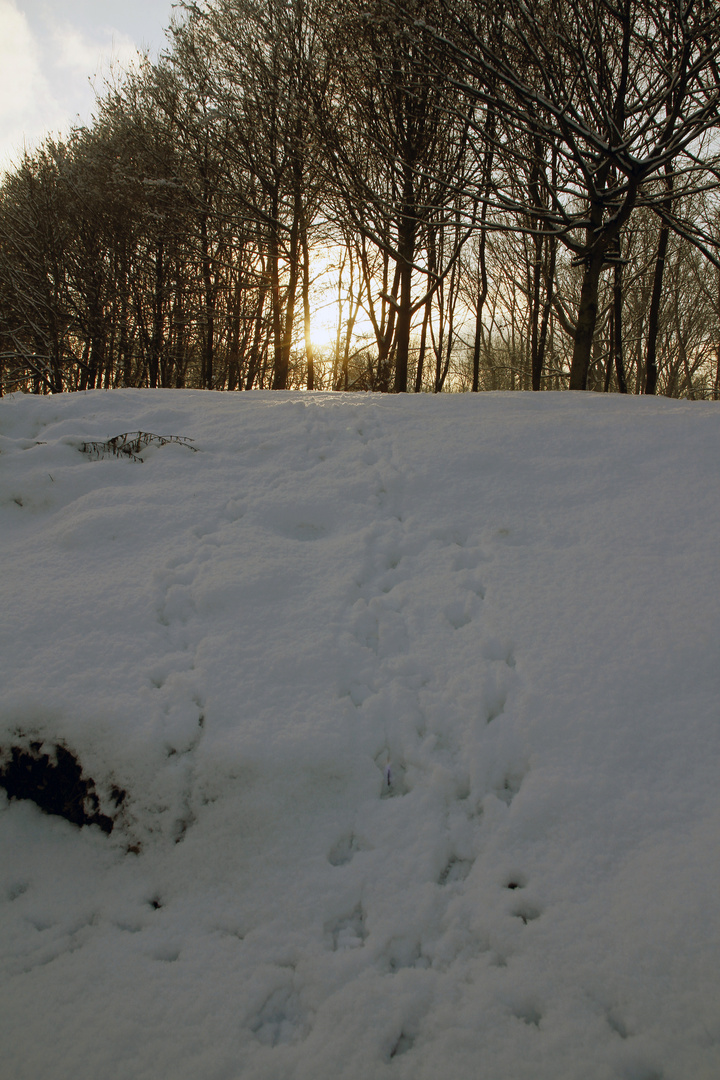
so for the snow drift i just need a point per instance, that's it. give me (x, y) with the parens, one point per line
(405, 715)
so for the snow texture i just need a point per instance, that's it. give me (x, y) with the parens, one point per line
(414, 701)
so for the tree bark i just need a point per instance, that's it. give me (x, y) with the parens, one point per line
(309, 353)
(406, 247)
(651, 371)
(586, 321)
(618, 329)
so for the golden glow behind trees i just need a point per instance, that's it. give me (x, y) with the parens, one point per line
(382, 196)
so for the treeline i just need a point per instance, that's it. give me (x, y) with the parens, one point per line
(483, 195)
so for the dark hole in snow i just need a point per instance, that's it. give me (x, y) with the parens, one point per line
(54, 782)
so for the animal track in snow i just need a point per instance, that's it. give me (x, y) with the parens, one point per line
(280, 1021)
(210, 530)
(456, 870)
(349, 931)
(404, 952)
(459, 613)
(414, 651)
(128, 927)
(468, 558)
(394, 780)
(402, 1046)
(305, 531)
(15, 891)
(529, 1014)
(499, 649)
(510, 787)
(39, 924)
(526, 911)
(495, 706)
(167, 954)
(321, 432)
(177, 682)
(345, 850)
(643, 1072)
(366, 628)
(616, 1024)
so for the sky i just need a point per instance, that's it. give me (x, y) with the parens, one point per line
(50, 54)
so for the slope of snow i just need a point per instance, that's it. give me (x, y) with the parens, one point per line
(415, 702)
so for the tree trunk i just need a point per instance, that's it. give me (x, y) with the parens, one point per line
(158, 318)
(618, 329)
(309, 354)
(586, 321)
(480, 304)
(403, 328)
(255, 350)
(651, 371)
(209, 340)
(423, 342)
(280, 369)
(549, 287)
(406, 248)
(233, 373)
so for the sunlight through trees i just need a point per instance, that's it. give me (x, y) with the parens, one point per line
(399, 195)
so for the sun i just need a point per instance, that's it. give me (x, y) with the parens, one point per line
(334, 301)
(324, 326)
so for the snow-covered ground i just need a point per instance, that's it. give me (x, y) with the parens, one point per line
(415, 703)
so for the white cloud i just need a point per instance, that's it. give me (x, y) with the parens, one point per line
(84, 55)
(48, 68)
(28, 107)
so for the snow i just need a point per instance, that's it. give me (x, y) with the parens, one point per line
(415, 702)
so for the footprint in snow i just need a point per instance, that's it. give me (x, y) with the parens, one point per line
(394, 781)
(279, 1021)
(499, 649)
(345, 850)
(15, 891)
(402, 1046)
(467, 559)
(456, 870)
(616, 1024)
(529, 1014)
(495, 706)
(349, 931)
(526, 911)
(510, 787)
(458, 613)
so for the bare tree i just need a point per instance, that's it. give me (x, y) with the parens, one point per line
(616, 92)
(394, 151)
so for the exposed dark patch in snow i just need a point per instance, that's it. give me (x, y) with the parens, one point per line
(52, 778)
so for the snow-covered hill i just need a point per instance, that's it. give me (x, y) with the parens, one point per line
(414, 706)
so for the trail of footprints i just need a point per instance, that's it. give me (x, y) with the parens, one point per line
(175, 678)
(384, 634)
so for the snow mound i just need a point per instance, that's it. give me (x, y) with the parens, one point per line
(412, 705)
